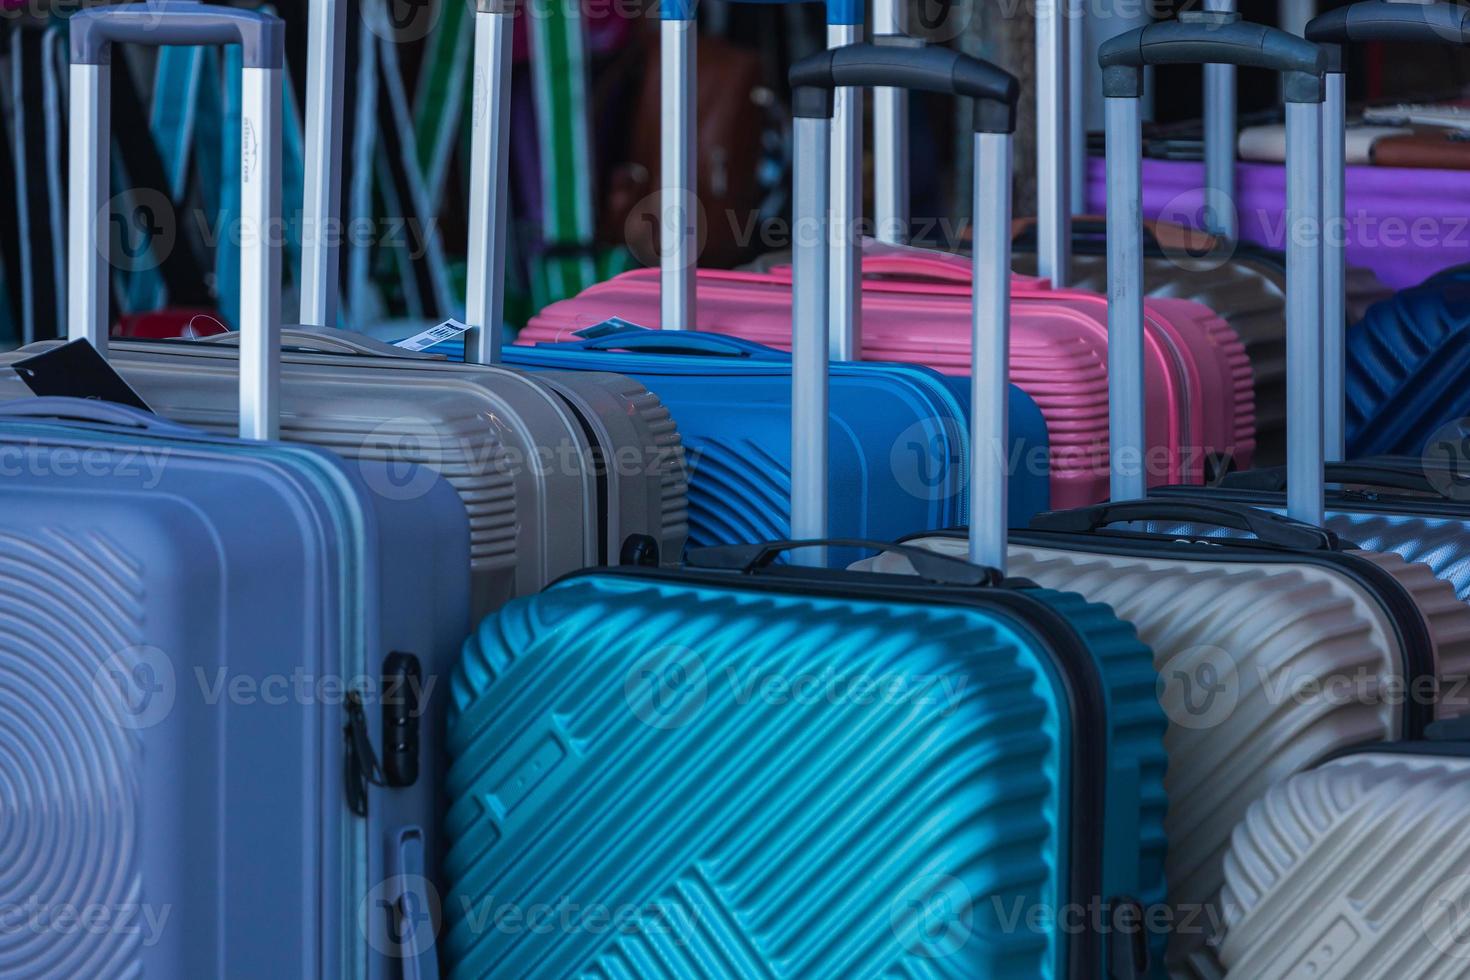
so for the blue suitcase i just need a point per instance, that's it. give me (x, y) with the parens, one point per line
(223, 660)
(751, 768)
(899, 455)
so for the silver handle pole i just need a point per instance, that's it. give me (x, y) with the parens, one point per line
(1077, 103)
(87, 251)
(845, 278)
(1054, 209)
(260, 254)
(489, 181)
(1334, 265)
(1219, 132)
(1127, 429)
(809, 352)
(322, 197)
(990, 356)
(890, 141)
(1304, 477)
(678, 258)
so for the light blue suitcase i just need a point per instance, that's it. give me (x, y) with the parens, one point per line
(222, 667)
(750, 768)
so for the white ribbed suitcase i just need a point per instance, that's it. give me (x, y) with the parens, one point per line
(1356, 870)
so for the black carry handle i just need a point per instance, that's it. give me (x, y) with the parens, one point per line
(927, 69)
(1210, 38)
(1376, 20)
(751, 558)
(1265, 526)
(262, 37)
(1384, 476)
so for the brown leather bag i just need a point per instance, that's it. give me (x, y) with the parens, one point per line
(731, 113)
(1426, 149)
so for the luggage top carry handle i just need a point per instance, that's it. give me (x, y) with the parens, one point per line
(1375, 20)
(995, 91)
(1208, 38)
(1263, 525)
(678, 205)
(185, 22)
(1379, 476)
(752, 558)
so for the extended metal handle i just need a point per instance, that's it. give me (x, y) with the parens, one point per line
(489, 179)
(996, 93)
(184, 22)
(927, 69)
(175, 22)
(1378, 20)
(1210, 38)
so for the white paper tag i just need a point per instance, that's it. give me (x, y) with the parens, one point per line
(433, 336)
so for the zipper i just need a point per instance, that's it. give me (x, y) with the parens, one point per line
(1073, 663)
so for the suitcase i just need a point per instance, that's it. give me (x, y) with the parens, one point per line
(601, 745)
(154, 829)
(1051, 328)
(1238, 626)
(529, 457)
(1356, 868)
(901, 449)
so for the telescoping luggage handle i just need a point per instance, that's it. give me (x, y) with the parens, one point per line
(1374, 20)
(1206, 39)
(995, 92)
(321, 203)
(184, 22)
(678, 88)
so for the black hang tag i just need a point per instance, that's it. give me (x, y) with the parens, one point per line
(76, 370)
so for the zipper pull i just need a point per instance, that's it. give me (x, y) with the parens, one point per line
(360, 767)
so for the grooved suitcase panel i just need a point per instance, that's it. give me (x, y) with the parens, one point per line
(73, 797)
(1406, 362)
(1228, 667)
(633, 745)
(1357, 869)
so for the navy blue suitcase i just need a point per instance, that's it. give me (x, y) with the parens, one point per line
(749, 768)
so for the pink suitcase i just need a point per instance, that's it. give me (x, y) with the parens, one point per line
(1201, 408)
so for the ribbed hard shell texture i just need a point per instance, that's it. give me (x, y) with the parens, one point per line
(1356, 870)
(70, 801)
(1406, 365)
(1240, 649)
(673, 473)
(1252, 305)
(632, 748)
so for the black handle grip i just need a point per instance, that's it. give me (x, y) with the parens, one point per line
(1377, 20)
(1386, 476)
(751, 558)
(1263, 525)
(170, 22)
(1207, 38)
(927, 69)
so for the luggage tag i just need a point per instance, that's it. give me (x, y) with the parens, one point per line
(434, 336)
(77, 370)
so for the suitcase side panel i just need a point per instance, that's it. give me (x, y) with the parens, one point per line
(1356, 869)
(776, 838)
